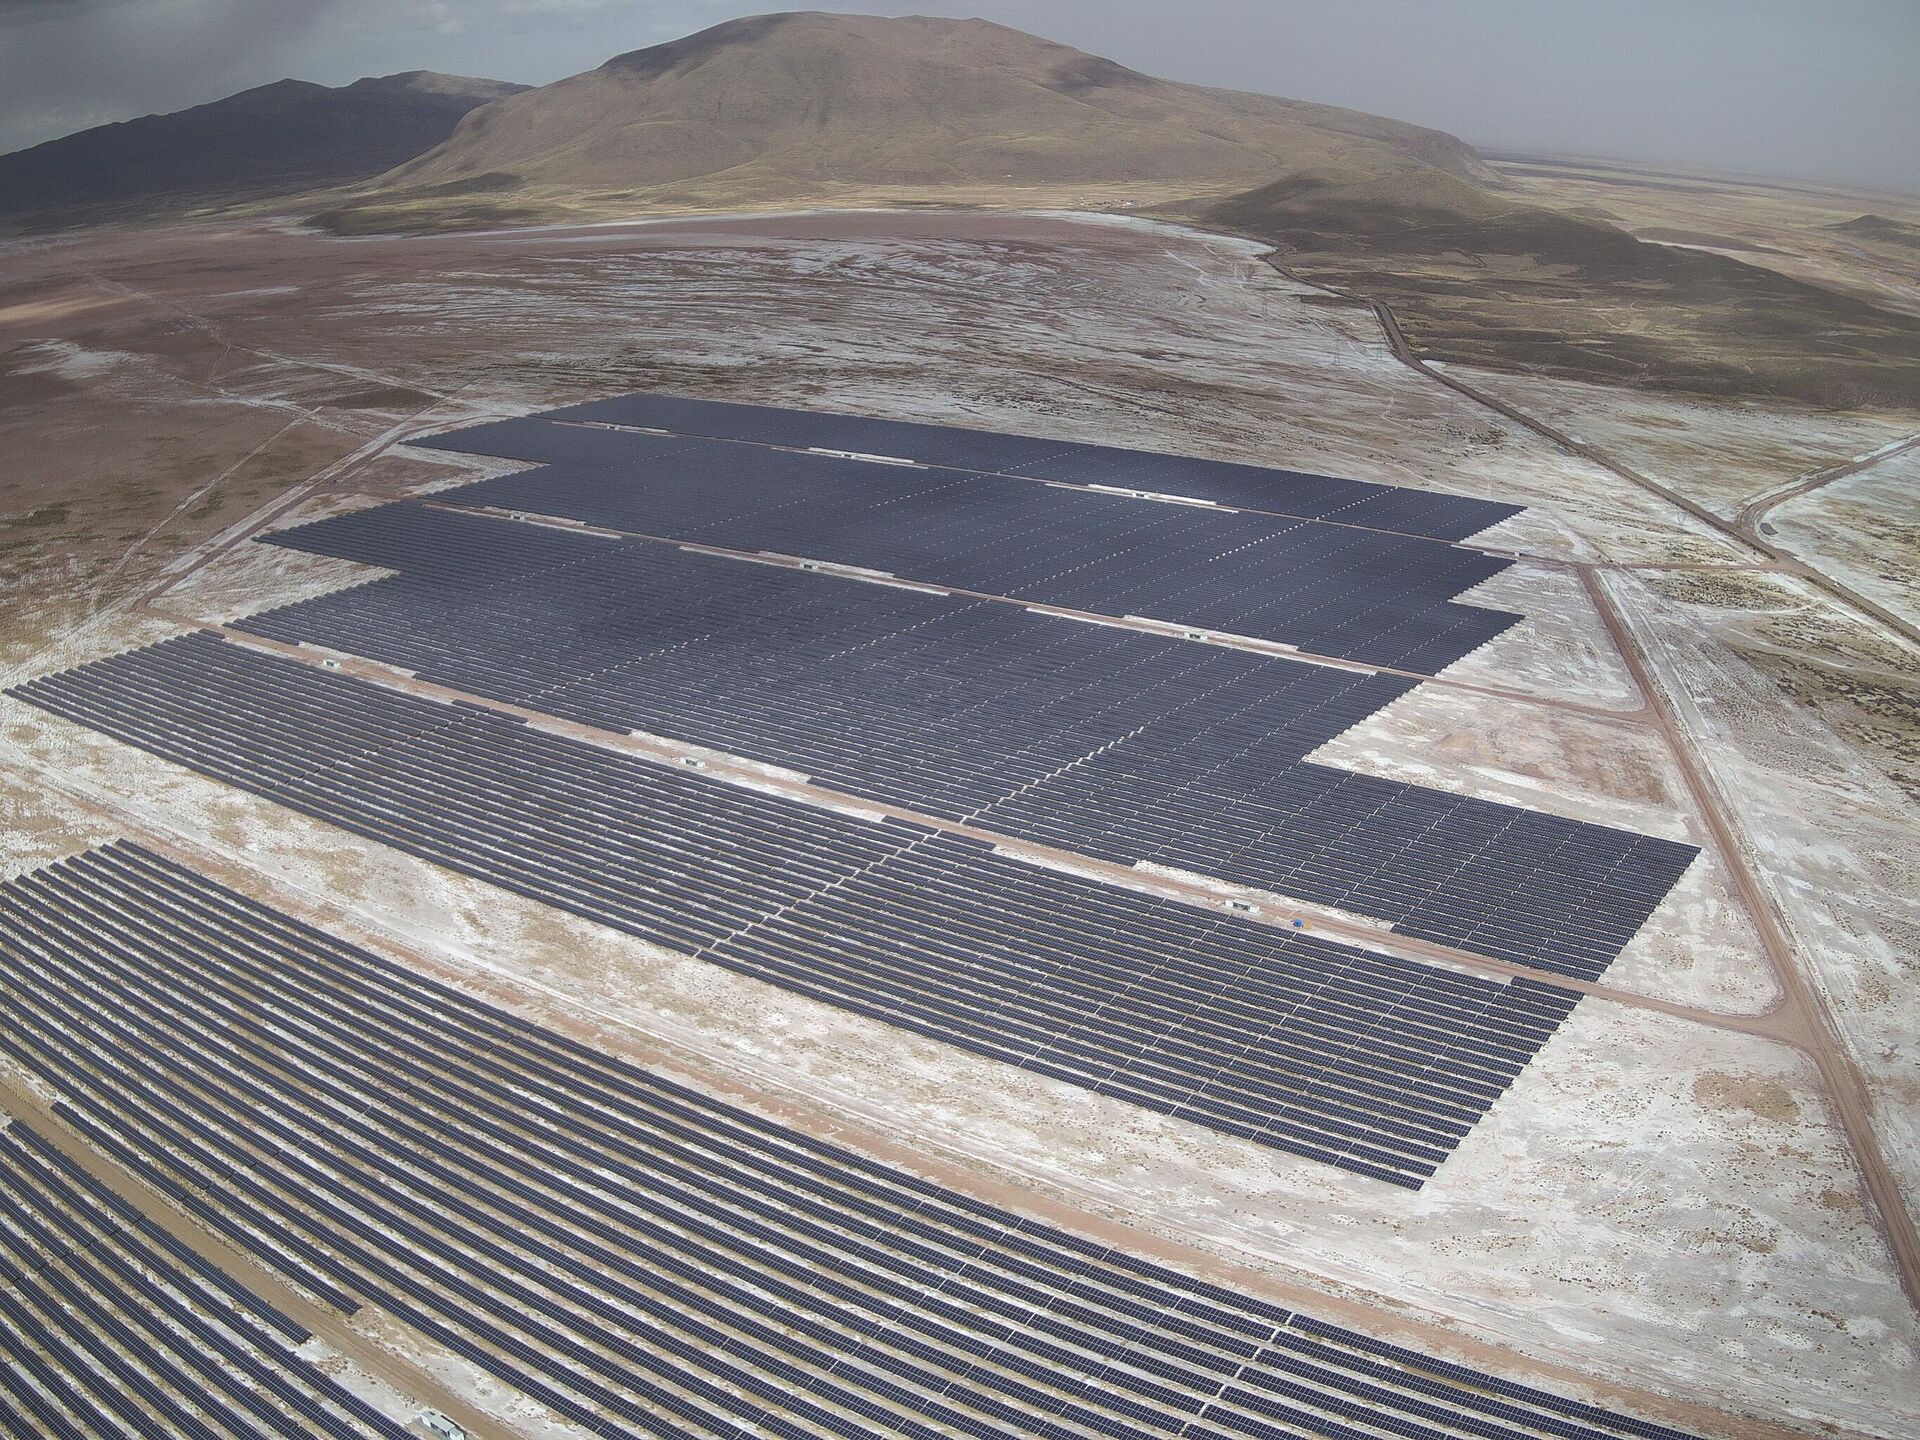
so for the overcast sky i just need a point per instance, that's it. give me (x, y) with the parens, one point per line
(1826, 89)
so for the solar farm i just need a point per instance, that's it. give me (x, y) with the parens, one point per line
(994, 747)
(636, 1258)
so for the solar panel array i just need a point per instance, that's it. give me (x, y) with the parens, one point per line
(628, 1254)
(1381, 599)
(558, 435)
(1098, 739)
(1361, 1060)
(441, 546)
(111, 1327)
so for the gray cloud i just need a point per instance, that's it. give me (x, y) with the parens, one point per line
(21, 11)
(68, 64)
(1815, 88)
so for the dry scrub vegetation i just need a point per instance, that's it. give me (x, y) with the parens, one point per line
(1489, 279)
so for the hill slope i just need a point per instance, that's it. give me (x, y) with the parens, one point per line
(1491, 280)
(782, 108)
(279, 138)
(1879, 227)
(819, 109)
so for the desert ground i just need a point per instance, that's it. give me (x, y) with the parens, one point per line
(1804, 230)
(1687, 1199)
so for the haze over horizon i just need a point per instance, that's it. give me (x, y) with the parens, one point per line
(1773, 87)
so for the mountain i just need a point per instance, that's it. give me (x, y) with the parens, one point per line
(277, 139)
(778, 109)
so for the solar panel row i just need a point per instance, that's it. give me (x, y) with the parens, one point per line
(553, 436)
(442, 546)
(110, 1327)
(1381, 599)
(679, 642)
(628, 1254)
(1358, 1059)
(1103, 740)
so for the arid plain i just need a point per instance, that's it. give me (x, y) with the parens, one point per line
(1741, 1086)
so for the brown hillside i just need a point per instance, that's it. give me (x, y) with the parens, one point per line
(1486, 279)
(819, 109)
(1426, 212)
(1879, 227)
(809, 106)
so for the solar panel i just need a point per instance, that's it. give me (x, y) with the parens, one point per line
(620, 1250)
(1376, 597)
(567, 434)
(1357, 1059)
(108, 1321)
(1099, 739)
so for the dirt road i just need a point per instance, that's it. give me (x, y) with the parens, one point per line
(1802, 1017)
(1743, 531)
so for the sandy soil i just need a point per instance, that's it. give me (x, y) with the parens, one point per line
(1832, 827)
(1719, 454)
(1659, 1201)
(1563, 651)
(1864, 529)
(39, 826)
